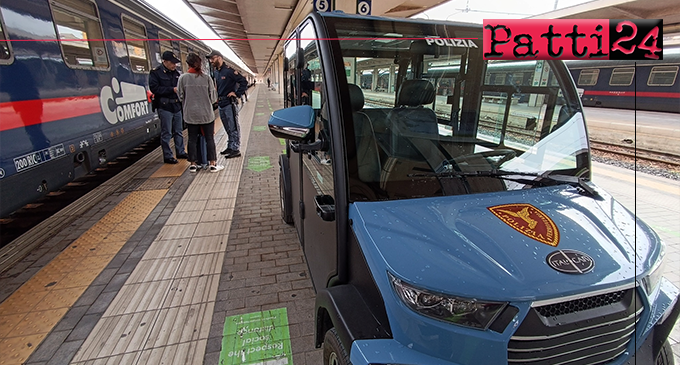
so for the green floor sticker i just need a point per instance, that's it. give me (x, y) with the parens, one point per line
(260, 114)
(260, 338)
(282, 141)
(259, 163)
(259, 128)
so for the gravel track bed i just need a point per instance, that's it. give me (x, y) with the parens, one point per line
(668, 171)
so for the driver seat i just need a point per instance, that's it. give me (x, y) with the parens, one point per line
(368, 158)
(410, 118)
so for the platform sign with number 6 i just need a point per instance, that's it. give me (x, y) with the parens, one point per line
(364, 7)
(323, 5)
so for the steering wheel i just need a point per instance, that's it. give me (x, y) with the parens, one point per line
(505, 155)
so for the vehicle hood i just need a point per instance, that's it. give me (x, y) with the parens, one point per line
(457, 245)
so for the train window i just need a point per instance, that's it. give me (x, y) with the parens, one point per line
(662, 76)
(137, 47)
(80, 33)
(5, 47)
(622, 76)
(183, 54)
(588, 77)
(165, 43)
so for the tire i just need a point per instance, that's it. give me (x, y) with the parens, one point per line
(285, 194)
(333, 351)
(665, 356)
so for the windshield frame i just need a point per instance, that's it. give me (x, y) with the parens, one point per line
(334, 21)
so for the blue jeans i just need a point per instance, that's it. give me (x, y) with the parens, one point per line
(230, 122)
(171, 126)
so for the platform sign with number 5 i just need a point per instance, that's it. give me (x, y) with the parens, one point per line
(323, 5)
(364, 7)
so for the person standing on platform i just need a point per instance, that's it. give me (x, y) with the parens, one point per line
(306, 85)
(163, 84)
(197, 92)
(269, 83)
(230, 86)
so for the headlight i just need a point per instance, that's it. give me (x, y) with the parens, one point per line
(461, 311)
(651, 281)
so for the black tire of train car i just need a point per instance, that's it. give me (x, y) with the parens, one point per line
(334, 352)
(285, 192)
(665, 356)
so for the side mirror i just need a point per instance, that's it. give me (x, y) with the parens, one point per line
(292, 123)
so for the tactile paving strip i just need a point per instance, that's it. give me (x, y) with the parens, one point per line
(163, 312)
(31, 312)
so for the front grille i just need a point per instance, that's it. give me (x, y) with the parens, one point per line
(587, 331)
(582, 304)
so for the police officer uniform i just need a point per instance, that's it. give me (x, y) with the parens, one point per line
(229, 80)
(162, 83)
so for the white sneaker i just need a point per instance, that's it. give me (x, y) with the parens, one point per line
(216, 168)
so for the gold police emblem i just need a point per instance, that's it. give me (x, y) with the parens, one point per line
(529, 221)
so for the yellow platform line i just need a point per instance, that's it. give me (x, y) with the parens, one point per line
(31, 312)
(168, 170)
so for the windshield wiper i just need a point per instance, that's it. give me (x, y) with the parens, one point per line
(543, 179)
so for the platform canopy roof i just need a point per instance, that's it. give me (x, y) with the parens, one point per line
(252, 28)
(667, 10)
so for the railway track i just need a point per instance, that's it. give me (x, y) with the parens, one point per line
(636, 153)
(611, 150)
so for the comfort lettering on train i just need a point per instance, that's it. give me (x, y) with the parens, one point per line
(123, 101)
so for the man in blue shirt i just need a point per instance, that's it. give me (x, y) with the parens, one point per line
(230, 86)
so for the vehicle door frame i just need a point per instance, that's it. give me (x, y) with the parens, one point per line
(304, 209)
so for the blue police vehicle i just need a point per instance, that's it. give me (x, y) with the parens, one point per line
(457, 229)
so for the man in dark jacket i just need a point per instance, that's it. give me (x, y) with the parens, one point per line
(163, 84)
(230, 86)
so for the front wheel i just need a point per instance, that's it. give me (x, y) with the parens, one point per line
(333, 351)
(665, 356)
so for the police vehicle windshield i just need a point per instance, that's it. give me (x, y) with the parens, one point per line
(430, 117)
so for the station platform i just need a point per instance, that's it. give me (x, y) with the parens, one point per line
(170, 267)
(160, 265)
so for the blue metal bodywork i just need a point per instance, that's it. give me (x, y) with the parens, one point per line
(454, 245)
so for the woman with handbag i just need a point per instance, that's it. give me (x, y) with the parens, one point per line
(197, 92)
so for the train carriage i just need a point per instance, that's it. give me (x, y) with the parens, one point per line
(74, 88)
(615, 84)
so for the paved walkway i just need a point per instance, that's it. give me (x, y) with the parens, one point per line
(264, 267)
(656, 201)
